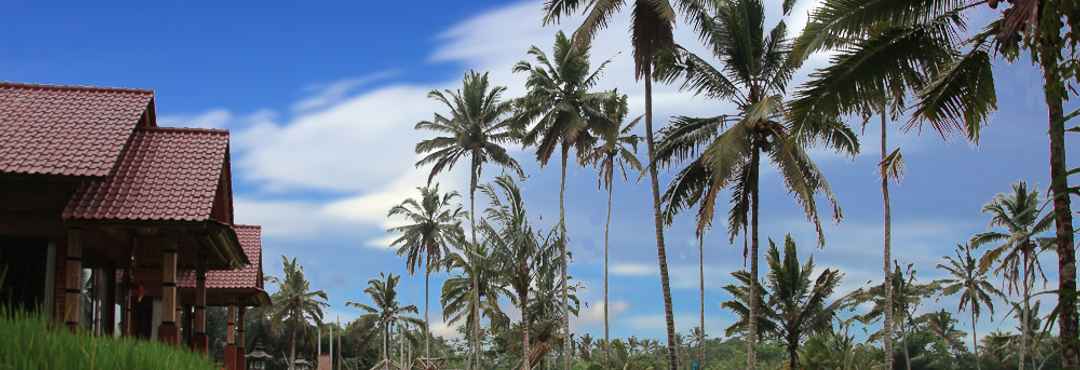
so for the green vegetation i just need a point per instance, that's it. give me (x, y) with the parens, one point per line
(31, 341)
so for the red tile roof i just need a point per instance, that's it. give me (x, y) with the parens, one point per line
(249, 276)
(66, 130)
(165, 174)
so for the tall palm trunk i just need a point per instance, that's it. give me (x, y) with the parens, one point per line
(565, 265)
(975, 341)
(907, 353)
(386, 343)
(701, 293)
(475, 358)
(1025, 317)
(661, 253)
(292, 349)
(1054, 90)
(887, 248)
(427, 319)
(607, 229)
(525, 353)
(751, 356)
(793, 353)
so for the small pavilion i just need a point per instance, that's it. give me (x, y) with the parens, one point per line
(235, 289)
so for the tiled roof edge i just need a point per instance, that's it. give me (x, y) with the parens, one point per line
(27, 85)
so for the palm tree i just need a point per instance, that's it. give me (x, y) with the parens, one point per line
(517, 250)
(387, 312)
(617, 150)
(725, 151)
(477, 281)
(943, 326)
(740, 306)
(870, 71)
(968, 279)
(432, 222)
(800, 306)
(566, 114)
(959, 95)
(907, 295)
(295, 304)
(653, 23)
(1020, 214)
(478, 127)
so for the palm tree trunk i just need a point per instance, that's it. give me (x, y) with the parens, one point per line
(475, 283)
(751, 358)
(607, 229)
(701, 293)
(1054, 90)
(292, 349)
(1025, 329)
(887, 248)
(386, 342)
(661, 253)
(525, 352)
(793, 354)
(565, 264)
(975, 341)
(907, 353)
(427, 319)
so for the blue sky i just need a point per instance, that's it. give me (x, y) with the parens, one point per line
(321, 100)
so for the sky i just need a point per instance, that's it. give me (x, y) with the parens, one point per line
(321, 99)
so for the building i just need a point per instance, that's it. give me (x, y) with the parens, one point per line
(90, 182)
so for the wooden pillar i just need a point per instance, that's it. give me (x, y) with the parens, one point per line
(108, 304)
(199, 341)
(230, 339)
(168, 332)
(241, 361)
(73, 279)
(127, 324)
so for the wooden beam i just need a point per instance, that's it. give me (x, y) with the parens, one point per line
(73, 279)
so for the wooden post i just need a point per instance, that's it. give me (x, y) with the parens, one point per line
(168, 332)
(241, 361)
(108, 304)
(73, 279)
(230, 339)
(198, 339)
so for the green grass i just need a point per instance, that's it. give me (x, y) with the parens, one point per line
(30, 341)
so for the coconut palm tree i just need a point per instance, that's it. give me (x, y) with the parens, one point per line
(616, 150)
(958, 96)
(725, 151)
(1020, 214)
(653, 23)
(799, 305)
(976, 292)
(865, 77)
(295, 304)
(908, 294)
(516, 248)
(431, 223)
(477, 280)
(386, 312)
(559, 112)
(478, 126)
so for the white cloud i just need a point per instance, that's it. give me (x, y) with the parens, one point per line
(632, 269)
(594, 314)
(325, 95)
(214, 118)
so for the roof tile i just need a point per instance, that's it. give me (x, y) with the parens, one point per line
(165, 174)
(66, 130)
(249, 276)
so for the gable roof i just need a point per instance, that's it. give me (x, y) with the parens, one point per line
(249, 276)
(67, 130)
(165, 174)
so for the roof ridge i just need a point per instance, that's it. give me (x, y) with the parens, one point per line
(28, 85)
(218, 131)
(246, 226)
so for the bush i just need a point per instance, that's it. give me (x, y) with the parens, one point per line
(29, 341)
